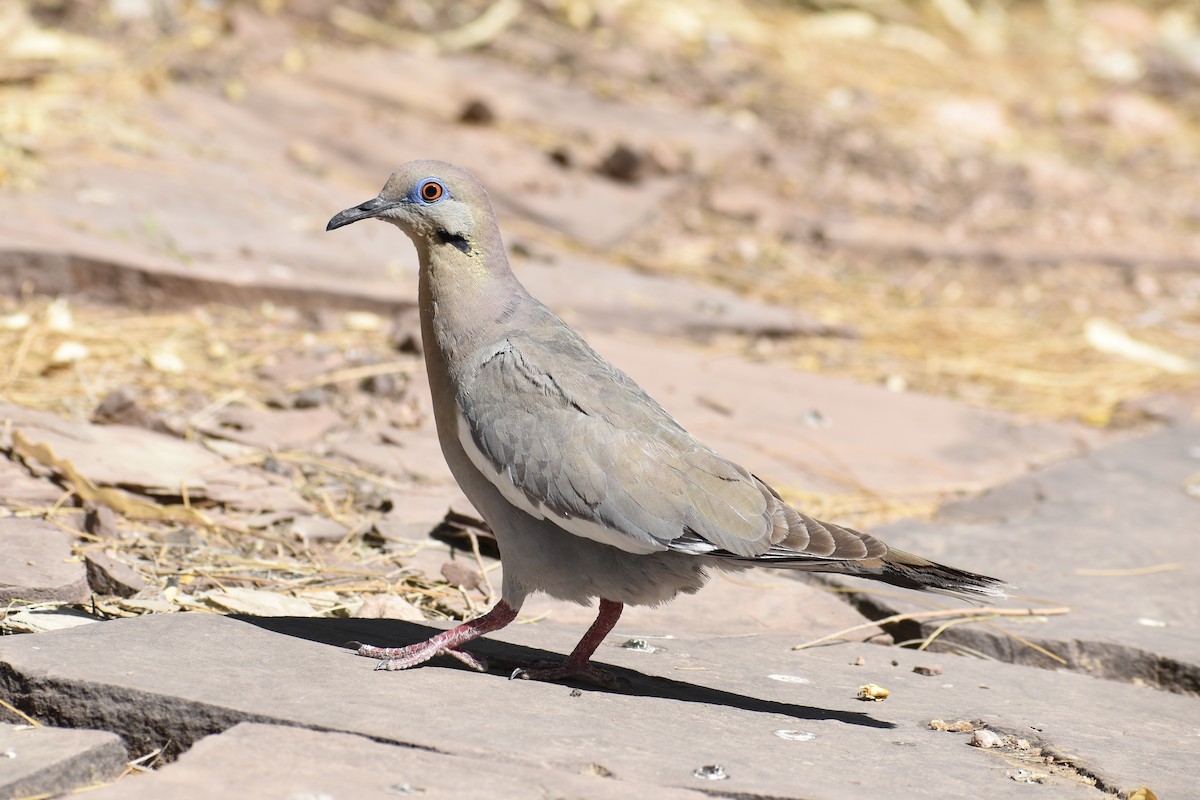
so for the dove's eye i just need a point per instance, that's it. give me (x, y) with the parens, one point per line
(431, 190)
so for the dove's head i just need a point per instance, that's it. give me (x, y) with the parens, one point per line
(435, 203)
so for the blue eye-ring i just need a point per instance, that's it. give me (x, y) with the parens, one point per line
(430, 190)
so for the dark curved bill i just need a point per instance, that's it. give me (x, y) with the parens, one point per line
(369, 209)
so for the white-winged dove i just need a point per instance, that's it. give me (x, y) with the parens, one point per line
(592, 489)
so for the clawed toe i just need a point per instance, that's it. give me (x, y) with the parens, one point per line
(585, 673)
(371, 651)
(577, 666)
(396, 658)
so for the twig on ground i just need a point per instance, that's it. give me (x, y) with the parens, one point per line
(973, 615)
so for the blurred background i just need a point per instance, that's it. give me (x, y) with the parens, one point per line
(990, 202)
(996, 199)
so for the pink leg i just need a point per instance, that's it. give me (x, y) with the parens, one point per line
(446, 643)
(578, 663)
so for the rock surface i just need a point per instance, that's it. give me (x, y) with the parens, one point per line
(52, 761)
(256, 760)
(743, 702)
(1110, 536)
(36, 565)
(148, 461)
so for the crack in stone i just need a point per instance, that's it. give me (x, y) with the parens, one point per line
(1107, 660)
(1044, 754)
(145, 721)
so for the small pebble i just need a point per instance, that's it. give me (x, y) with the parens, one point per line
(477, 112)
(640, 645)
(813, 418)
(562, 157)
(626, 165)
(872, 691)
(311, 398)
(958, 726)
(796, 736)
(931, 670)
(382, 386)
(986, 739)
(1027, 776)
(711, 772)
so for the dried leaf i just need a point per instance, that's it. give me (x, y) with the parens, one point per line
(113, 498)
(29, 620)
(257, 602)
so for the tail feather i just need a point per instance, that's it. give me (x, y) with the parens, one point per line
(905, 570)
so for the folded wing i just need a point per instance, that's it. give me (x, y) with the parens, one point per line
(564, 435)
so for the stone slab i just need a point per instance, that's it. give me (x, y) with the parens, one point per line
(1112, 536)
(19, 488)
(703, 700)
(575, 114)
(268, 761)
(36, 565)
(375, 271)
(220, 211)
(397, 120)
(52, 761)
(131, 457)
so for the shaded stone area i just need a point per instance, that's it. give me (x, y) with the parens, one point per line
(1110, 535)
(778, 723)
(52, 761)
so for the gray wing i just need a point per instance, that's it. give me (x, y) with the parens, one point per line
(565, 435)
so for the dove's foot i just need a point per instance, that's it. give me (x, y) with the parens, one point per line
(445, 643)
(578, 664)
(567, 671)
(393, 658)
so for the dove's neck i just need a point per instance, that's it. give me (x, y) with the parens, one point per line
(469, 298)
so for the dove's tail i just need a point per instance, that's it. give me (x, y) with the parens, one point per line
(913, 572)
(905, 570)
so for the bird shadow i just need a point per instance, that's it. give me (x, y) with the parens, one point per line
(503, 657)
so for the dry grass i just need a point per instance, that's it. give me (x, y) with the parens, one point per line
(180, 362)
(215, 355)
(1034, 357)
